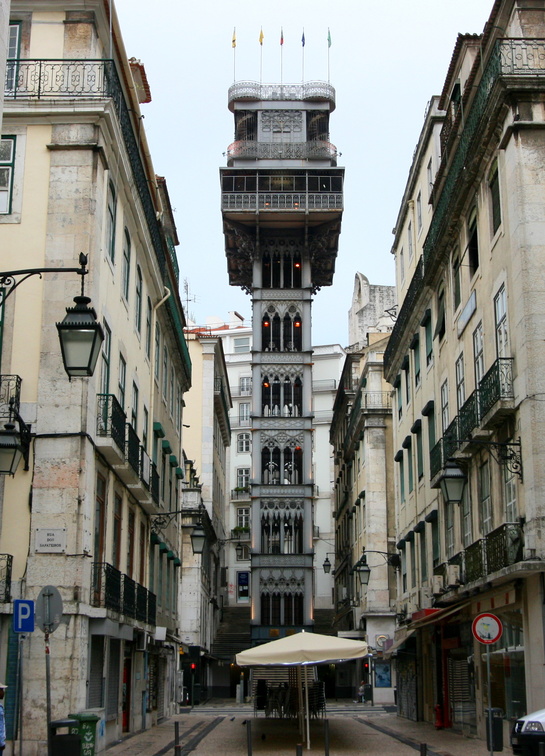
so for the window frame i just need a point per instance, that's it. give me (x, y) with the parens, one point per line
(138, 291)
(126, 268)
(8, 165)
(111, 220)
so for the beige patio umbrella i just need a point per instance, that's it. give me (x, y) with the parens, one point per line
(299, 650)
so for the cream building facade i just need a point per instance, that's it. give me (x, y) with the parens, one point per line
(105, 452)
(466, 360)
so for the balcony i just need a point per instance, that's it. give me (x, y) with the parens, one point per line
(469, 417)
(496, 393)
(6, 564)
(111, 422)
(504, 546)
(241, 534)
(281, 201)
(242, 493)
(252, 150)
(475, 561)
(311, 91)
(113, 590)
(10, 396)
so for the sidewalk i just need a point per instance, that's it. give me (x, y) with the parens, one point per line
(220, 729)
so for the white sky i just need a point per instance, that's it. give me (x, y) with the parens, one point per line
(386, 61)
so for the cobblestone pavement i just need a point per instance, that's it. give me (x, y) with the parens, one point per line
(220, 728)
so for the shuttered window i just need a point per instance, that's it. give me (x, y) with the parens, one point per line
(96, 687)
(112, 682)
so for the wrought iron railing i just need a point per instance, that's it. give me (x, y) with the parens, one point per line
(475, 563)
(111, 419)
(129, 596)
(243, 492)
(133, 449)
(241, 534)
(404, 313)
(120, 593)
(145, 468)
(6, 564)
(281, 150)
(469, 416)
(496, 384)
(376, 400)
(253, 90)
(504, 546)
(10, 395)
(451, 440)
(281, 201)
(106, 586)
(436, 458)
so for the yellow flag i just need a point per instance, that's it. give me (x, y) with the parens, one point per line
(234, 42)
(261, 37)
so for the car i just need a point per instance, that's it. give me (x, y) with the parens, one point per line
(527, 733)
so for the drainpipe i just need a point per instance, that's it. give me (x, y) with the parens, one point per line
(152, 375)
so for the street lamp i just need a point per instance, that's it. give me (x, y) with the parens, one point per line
(327, 564)
(363, 571)
(12, 450)
(452, 483)
(198, 538)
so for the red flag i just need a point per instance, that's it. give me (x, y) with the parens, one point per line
(281, 36)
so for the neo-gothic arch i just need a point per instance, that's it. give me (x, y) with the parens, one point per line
(282, 393)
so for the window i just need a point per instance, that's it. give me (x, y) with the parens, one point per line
(148, 328)
(178, 408)
(171, 396)
(509, 494)
(409, 447)
(473, 244)
(429, 171)
(243, 477)
(401, 265)
(465, 514)
(401, 461)
(456, 283)
(126, 265)
(245, 386)
(495, 204)
(165, 372)
(415, 346)
(121, 381)
(449, 529)
(241, 344)
(7, 160)
(410, 242)
(157, 368)
(407, 371)
(423, 556)
(243, 517)
(500, 314)
(110, 222)
(478, 353)
(485, 500)
(426, 324)
(13, 55)
(399, 394)
(419, 211)
(435, 542)
(244, 413)
(419, 449)
(145, 424)
(134, 406)
(441, 325)
(105, 352)
(244, 553)
(444, 406)
(138, 300)
(243, 442)
(116, 544)
(460, 383)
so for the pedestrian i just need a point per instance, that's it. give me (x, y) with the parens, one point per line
(361, 692)
(2, 719)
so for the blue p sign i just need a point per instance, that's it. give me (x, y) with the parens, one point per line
(23, 616)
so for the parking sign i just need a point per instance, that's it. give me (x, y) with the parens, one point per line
(23, 616)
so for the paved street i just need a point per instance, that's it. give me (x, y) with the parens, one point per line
(220, 728)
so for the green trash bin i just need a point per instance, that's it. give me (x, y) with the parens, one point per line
(86, 729)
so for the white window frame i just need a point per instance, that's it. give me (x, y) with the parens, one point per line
(478, 353)
(244, 443)
(7, 170)
(500, 315)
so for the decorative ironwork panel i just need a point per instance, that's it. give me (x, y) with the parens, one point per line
(141, 603)
(111, 419)
(10, 391)
(133, 449)
(129, 596)
(106, 586)
(56, 78)
(504, 546)
(405, 313)
(253, 90)
(496, 384)
(451, 442)
(436, 458)
(6, 564)
(468, 419)
(282, 150)
(475, 561)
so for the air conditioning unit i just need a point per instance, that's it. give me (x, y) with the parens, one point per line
(437, 585)
(141, 641)
(453, 575)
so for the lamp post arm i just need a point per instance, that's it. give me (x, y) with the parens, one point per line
(9, 282)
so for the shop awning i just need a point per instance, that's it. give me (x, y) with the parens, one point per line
(439, 615)
(402, 636)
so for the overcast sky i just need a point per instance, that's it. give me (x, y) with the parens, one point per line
(386, 61)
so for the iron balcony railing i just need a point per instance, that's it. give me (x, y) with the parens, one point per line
(10, 395)
(504, 546)
(133, 449)
(451, 440)
(405, 312)
(6, 564)
(254, 90)
(120, 593)
(436, 458)
(111, 419)
(469, 416)
(274, 201)
(475, 561)
(496, 384)
(155, 483)
(241, 534)
(282, 150)
(243, 492)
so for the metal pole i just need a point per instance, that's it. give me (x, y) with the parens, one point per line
(177, 746)
(48, 691)
(326, 737)
(20, 694)
(307, 709)
(489, 683)
(249, 736)
(299, 749)
(423, 749)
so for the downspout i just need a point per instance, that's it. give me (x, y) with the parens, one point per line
(153, 356)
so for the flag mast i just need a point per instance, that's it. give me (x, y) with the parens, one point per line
(303, 57)
(261, 37)
(328, 47)
(234, 46)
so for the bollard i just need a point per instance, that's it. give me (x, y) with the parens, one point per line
(177, 746)
(249, 737)
(299, 749)
(541, 749)
(326, 737)
(423, 749)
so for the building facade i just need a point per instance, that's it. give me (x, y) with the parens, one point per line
(103, 452)
(466, 360)
(282, 200)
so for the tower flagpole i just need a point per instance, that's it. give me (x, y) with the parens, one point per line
(234, 45)
(303, 57)
(261, 37)
(328, 48)
(281, 55)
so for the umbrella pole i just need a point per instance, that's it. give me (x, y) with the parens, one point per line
(301, 705)
(307, 712)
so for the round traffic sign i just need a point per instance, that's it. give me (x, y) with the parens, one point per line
(49, 609)
(487, 628)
